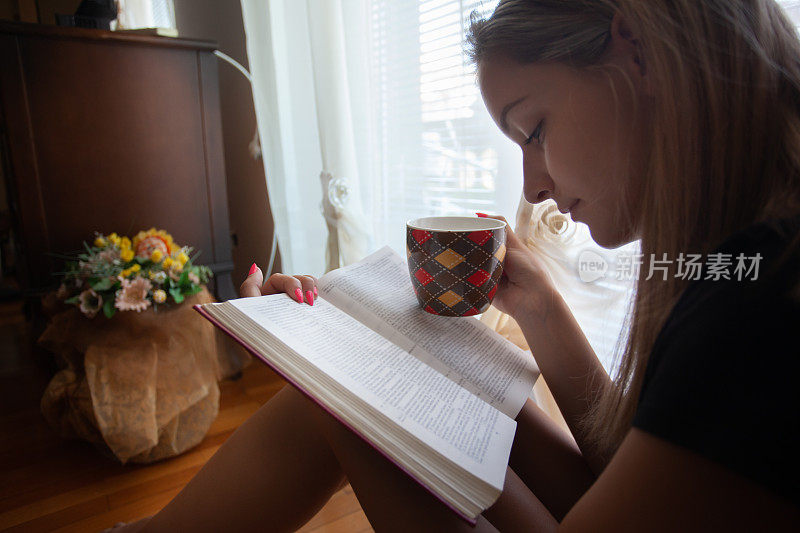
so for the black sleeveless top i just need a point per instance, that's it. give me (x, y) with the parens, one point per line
(723, 378)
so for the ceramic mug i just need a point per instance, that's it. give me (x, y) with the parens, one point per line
(455, 263)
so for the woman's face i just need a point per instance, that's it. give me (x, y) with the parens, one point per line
(580, 138)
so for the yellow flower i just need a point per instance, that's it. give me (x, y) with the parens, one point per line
(100, 242)
(167, 262)
(125, 273)
(182, 258)
(114, 239)
(156, 256)
(135, 268)
(126, 254)
(124, 243)
(159, 296)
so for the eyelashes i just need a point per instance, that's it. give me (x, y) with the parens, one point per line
(536, 135)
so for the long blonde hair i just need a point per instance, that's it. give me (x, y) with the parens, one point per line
(724, 136)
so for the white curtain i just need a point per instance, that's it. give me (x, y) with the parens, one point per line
(305, 70)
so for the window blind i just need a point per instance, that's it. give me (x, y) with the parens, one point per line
(438, 152)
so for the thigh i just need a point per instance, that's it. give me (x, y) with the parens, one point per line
(548, 461)
(394, 502)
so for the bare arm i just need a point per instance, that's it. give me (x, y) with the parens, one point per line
(567, 361)
(565, 358)
(653, 485)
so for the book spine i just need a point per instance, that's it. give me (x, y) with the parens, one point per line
(199, 308)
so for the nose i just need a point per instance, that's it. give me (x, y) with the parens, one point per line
(538, 186)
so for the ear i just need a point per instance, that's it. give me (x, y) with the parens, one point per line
(625, 50)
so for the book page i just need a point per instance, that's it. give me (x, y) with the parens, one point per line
(443, 415)
(377, 291)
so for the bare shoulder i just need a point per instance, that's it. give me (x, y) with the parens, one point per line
(654, 485)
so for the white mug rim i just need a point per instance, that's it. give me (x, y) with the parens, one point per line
(469, 224)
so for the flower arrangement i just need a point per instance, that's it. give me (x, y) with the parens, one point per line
(120, 274)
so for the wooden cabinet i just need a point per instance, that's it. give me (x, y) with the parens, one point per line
(111, 132)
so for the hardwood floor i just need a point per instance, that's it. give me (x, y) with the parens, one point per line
(48, 484)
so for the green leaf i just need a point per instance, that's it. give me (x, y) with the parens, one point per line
(194, 289)
(184, 279)
(103, 285)
(176, 295)
(108, 308)
(72, 301)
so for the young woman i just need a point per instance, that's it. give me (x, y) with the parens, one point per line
(676, 122)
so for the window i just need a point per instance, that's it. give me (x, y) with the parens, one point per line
(792, 8)
(437, 150)
(135, 14)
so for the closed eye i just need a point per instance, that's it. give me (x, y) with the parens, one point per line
(536, 135)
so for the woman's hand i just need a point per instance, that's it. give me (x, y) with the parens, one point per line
(525, 286)
(301, 288)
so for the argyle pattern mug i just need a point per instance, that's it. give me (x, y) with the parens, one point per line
(455, 263)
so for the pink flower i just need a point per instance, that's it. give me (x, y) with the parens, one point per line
(107, 256)
(91, 302)
(133, 295)
(194, 278)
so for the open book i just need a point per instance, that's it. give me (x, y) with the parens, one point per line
(435, 395)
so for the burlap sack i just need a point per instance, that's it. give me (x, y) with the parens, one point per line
(140, 385)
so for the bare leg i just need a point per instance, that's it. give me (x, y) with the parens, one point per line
(274, 473)
(548, 461)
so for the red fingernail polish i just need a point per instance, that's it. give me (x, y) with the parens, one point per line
(252, 270)
(482, 215)
(298, 294)
(309, 298)
(315, 291)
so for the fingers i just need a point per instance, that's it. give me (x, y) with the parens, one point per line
(511, 238)
(302, 289)
(309, 288)
(252, 283)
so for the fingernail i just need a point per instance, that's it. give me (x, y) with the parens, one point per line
(482, 215)
(309, 298)
(252, 270)
(298, 294)
(315, 290)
